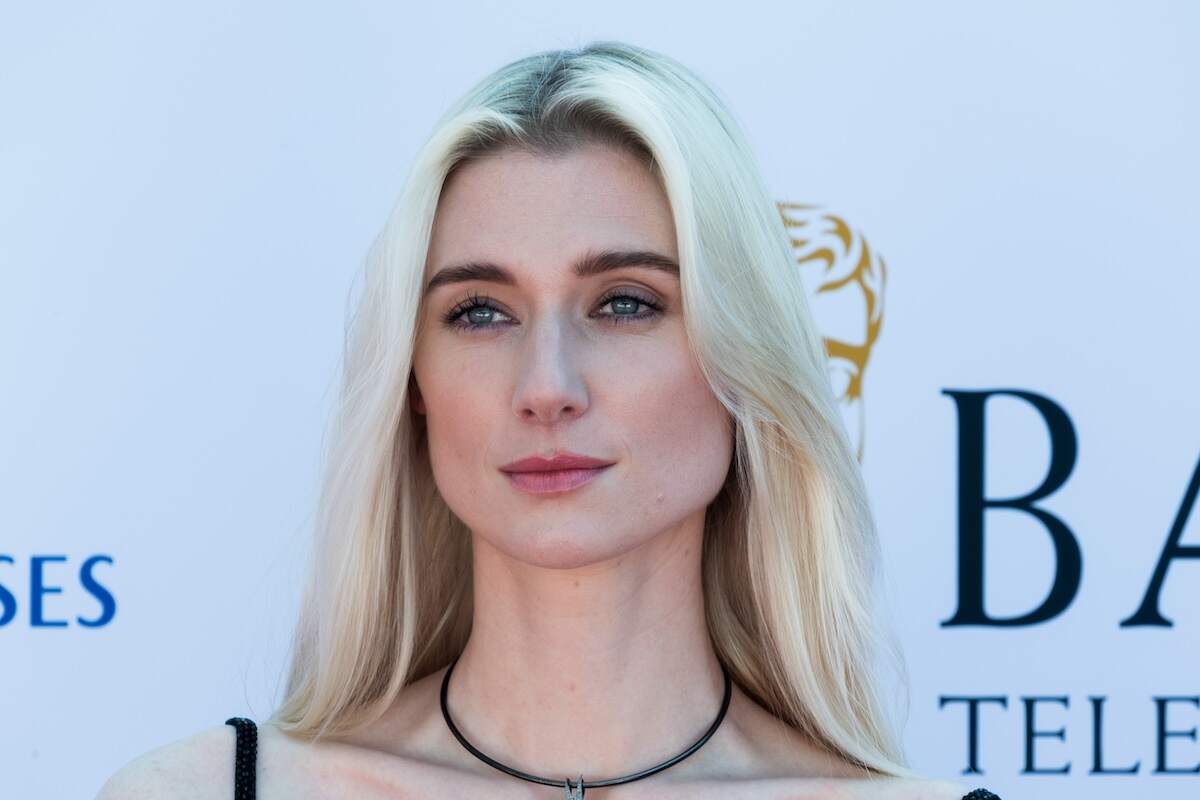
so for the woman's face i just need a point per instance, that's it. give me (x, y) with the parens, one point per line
(558, 362)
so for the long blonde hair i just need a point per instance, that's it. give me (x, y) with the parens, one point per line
(790, 556)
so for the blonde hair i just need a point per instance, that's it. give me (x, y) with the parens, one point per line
(790, 556)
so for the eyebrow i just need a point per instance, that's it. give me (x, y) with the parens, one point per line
(592, 263)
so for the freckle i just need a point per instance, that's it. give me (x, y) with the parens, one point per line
(576, 583)
(571, 686)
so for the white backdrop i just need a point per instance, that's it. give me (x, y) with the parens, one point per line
(186, 192)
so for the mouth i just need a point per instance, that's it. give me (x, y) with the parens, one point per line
(553, 481)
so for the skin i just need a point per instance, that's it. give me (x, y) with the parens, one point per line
(589, 651)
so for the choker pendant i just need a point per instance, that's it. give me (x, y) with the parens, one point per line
(576, 792)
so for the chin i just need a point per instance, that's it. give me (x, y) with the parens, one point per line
(562, 551)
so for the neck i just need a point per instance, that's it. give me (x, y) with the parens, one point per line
(602, 670)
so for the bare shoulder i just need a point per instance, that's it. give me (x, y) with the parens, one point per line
(776, 761)
(197, 767)
(201, 767)
(878, 788)
(907, 789)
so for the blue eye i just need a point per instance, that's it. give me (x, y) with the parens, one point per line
(468, 314)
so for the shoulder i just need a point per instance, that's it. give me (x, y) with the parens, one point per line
(918, 789)
(201, 767)
(197, 767)
(816, 788)
(879, 788)
(941, 790)
(774, 760)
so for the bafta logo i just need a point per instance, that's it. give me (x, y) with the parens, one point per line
(844, 280)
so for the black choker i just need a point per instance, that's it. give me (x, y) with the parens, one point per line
(575, 792)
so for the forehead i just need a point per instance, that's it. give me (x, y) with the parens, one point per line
(527, 209)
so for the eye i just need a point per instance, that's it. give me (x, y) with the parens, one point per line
(468, 313)
(626, 299)
(476, 312)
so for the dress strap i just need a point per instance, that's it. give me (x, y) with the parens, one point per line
(244, 756)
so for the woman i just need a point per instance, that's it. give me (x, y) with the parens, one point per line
(590, 519)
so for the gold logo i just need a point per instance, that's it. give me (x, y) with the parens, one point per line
(844, 280)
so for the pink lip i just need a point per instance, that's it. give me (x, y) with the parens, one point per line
(563, 460)
(554, 481)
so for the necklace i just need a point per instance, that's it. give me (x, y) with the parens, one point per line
(575, 792)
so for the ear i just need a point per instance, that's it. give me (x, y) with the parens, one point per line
(416, 401)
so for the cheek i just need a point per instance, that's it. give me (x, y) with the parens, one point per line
(457, 434)
(681, 437)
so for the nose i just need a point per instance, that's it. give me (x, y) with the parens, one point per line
(550, 384)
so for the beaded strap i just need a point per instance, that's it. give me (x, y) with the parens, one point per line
(980, 794)
(243, 762)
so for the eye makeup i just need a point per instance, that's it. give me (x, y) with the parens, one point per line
(457, 317)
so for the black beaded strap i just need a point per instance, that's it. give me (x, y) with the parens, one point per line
(243, 761)
(980, 794)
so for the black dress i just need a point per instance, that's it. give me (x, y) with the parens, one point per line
(247, 749)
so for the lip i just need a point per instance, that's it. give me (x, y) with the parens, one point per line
(543, 482)
(563, 460)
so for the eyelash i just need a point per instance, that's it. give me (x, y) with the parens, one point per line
(454, 318)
